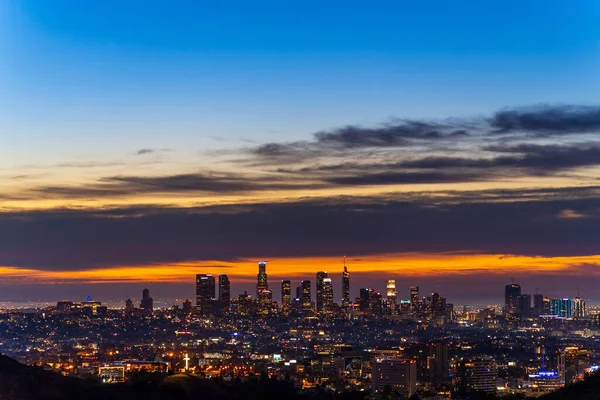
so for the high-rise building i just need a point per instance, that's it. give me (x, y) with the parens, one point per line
(376, 302)
(392, 296)
(538, 305)
(512, 300)
(286, 296)
(306, 296)
(327, 298)
(476, 374)
(525, 309)
(398, 374)
(187, 306)
(365, 299)
(205, 293)
(579, 308)
(261, 283)
(432, 362)
(147, 304)
(345, 287)
(414, 297)
(321, 275)
(224, 292)
(561, 307)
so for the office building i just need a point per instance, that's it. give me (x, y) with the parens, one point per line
(525, 309)
(561, 307)
(365, 299)
(345, 287)
(147, 304)
(306, 296)
(205, 293)
(224, 292)
(261, 283)
(286, 296)
(538, 305)
(327, 295)
(398, 374)
(321, 276)
(512, 301)
(392, 296)
(414, 298)
(476, 374)
(187, 307)
(579, 308)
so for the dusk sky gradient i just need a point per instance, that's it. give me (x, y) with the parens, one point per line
(452, 145)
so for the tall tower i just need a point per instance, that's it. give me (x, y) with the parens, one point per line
(327, 299)
(147, 303)
(414, 297)
(321, 276)
(512, 300)
(205, 292)
(286, 296)
(345, 286)
(306, 296)
(261, 283)
(392, 295)
(224, 291)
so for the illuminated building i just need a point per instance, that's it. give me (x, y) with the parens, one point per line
(376, 300)
(561, 307)
(545, 381)
(261, 283)
(147, 303)
(525, 309)
(286, 296)
(392, 296)
(400, 375)
(345, 287)
(476, 374)
(187, 306)
(414, 298)
(432, 362)
(205, 292)
(512, 301)
(579, 308)
(306, 296)
(327, 295)
(538, 305)
(365, 299)
(224, 292)
(265, 300)
(321, 275)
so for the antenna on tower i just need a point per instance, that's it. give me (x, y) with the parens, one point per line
(344, 261)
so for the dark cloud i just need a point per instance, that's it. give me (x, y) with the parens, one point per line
(524, 222)
(532, 122)
(144, 151)
(182, 183)
(548, 120)
(398, 178)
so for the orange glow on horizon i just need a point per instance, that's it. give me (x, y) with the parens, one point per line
(404, 264)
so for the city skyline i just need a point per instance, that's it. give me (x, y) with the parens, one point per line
(447, 149)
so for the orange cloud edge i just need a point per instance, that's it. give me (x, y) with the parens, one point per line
(244, 270)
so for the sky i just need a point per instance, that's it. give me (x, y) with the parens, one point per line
(451, 145)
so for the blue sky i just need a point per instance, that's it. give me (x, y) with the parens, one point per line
(80, 77)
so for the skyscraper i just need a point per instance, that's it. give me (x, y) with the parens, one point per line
(327, 298)
(365, 299)
(306, 296)
(205, 292)
(538, 304)
(261, 283)
(345, 287)
(525, 309)
(414, 298)
(147, 303)
(321, 275)
(579, 307)
(392, 296)
(224, 291)
(512, 300)
(286, 296)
